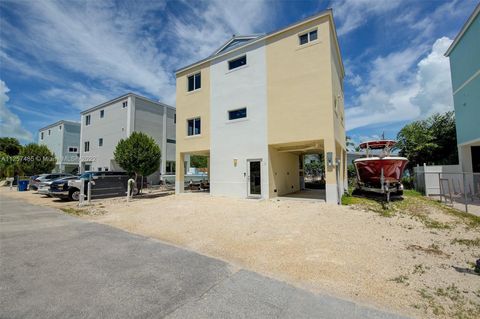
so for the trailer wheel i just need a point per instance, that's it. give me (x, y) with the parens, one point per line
(74, 194)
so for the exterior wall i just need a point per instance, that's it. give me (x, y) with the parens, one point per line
(54, 141)
(62, 136)
(283, 173)
(465, 70)
(112, 128)
(190, 105)
(240, 139)
(299, 86)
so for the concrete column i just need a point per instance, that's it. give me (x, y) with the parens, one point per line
(331, 192)
(180, 173)
(163, 164)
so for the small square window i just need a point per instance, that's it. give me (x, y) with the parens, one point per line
(303, 39)
(106, 169)
(193, 126)
(102, 114)
(237, 114)
(87, 120)
(194, 82)
(313, 35)
(237, 62)
(100, 142)
(125, 104)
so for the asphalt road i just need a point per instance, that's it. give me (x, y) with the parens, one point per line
(57, 266)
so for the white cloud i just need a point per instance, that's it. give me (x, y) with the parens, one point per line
(354, 13)
(207, 27)
(399, 89)
(10, 124)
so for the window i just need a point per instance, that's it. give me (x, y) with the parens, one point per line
(237, 62)
(59, 127)
(106, 169)
(102, 114)
(87, 120)
(170, 167)
(194, 127)
(237, 114)
(41, 135)
(99, 169)
(171, 141)
(194, 82)
(73, 149)
(86, 147)
(100, 142)
(125, 104)
(308, 37)
(175, 118)
(49, 131)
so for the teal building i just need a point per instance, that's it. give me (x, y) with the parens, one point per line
(464, 54)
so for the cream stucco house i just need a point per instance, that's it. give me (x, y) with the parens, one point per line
(258, 104)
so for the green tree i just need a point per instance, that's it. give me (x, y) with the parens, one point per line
(431, 141)
(198, 161)
(10, 146)
(138, 154)
(7, 165)
(36, 159)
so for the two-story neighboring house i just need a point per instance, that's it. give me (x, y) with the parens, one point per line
(464, 54)
(63, 139)
(258, 104)
(104, 125)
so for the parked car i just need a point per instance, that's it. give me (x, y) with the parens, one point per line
(33, 185)
(105, 184)
(44, 187)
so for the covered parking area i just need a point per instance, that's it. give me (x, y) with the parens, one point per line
(189, 177)
(287, 174)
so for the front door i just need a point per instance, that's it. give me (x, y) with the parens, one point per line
(254, 178)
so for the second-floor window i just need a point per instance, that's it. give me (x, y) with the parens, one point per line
(236, 63)
(59, 127)
(194, 82)
(308, 37)
(125, 104)
(41, 135)
(237, 114)
(102, 114)
(86, 147)
(87, 120)
(49, 131)
(72, 149)
(193, 126)
(100, 142)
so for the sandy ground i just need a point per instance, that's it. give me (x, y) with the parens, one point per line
(393, 263)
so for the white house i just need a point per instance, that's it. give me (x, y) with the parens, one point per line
(63, 139)
(104, 125)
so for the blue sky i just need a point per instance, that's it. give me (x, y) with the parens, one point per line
(60, 57)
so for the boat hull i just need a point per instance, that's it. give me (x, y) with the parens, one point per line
(369, 171)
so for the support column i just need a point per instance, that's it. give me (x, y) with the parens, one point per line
(180, 173)
(331, 191)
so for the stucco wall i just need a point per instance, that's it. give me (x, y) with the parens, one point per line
(283, 172)
(240, 139)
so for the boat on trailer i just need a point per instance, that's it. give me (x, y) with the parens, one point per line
(379, 171)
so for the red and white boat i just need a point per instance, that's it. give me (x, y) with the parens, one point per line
(378, 171)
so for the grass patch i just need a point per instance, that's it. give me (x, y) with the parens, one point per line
(402, 279)
(74, 211)
(419, 269)
(413, 204)
(467, 242)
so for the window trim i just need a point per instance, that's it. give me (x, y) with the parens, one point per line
(194, 74)
(193, 119)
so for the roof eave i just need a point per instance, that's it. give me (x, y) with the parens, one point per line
(463, 30)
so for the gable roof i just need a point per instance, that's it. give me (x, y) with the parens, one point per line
(467, 24)
(235, 41)
(219, 52)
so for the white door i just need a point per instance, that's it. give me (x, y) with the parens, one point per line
(254, 178)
